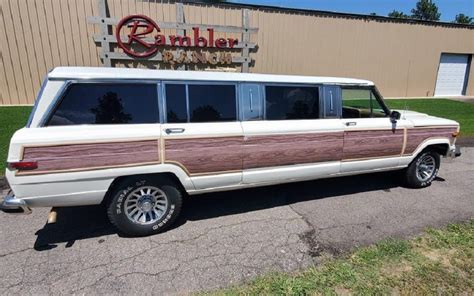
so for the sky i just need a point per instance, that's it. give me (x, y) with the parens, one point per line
(448, 8)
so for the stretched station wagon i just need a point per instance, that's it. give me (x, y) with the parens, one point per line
(139, 140)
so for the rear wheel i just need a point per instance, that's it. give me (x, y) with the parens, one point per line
(423, 169)
(145, 205)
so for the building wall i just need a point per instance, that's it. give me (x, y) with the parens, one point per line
(402, 58)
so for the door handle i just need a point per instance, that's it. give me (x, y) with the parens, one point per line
(174, 130)
(351, 123)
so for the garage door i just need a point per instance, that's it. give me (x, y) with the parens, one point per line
(452, 75)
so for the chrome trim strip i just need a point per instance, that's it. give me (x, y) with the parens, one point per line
(160, 102)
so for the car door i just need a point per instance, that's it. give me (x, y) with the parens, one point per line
(371, 140)
(285, 136)
(201, 132)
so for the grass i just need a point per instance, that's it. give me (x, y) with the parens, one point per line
(459, 111)
(438, 262)
(11, 119)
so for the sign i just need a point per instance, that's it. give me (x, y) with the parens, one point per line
(144, 40)
(142, 26)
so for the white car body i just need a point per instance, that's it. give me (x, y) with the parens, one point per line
(70, 186)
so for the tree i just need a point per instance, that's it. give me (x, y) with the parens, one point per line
(463, 19)
(373, 14)
(425, 10)
(398, 14)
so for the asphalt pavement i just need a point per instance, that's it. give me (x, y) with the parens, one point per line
(226, 238)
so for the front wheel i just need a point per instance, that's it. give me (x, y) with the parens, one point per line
(145, 205)
(423, 169)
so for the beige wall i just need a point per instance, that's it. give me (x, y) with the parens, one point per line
(401, 58)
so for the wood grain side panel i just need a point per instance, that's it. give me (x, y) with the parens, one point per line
(280, 150)
(83, 156)
(375, 143)
(417, 136)
(206, 155)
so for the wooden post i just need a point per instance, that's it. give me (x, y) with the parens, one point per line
(104, 30)
(245, 39)
(180, 32)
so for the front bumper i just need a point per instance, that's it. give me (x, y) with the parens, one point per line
(454, 151)
(11, 204)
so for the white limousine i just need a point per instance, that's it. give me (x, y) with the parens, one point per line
(138, 141)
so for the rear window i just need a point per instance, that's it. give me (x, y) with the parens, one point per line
(107, 103)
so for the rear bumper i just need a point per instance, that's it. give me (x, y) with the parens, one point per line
(454, 151)
(11, 204)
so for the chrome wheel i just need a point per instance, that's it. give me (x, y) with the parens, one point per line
(146, 205)
(425, 167)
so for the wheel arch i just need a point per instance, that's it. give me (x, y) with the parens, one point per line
(169, 175)
(440, 145)
(442, 148)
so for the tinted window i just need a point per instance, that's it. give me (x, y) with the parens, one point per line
(176, 103)
(360, 103)
(93, 103)
(212, 103)
(291, 102)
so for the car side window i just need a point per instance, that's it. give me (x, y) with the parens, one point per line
(107, 103)
(176, 107)
(291, 102)
(360, 103)
(200, 102)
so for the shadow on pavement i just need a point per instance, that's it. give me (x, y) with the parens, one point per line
(76, 223)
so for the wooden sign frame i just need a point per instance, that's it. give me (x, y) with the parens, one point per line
(106, 37)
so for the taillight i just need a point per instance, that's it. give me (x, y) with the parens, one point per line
(23, 165)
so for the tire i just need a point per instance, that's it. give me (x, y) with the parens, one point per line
(144, 205)
(423, 169)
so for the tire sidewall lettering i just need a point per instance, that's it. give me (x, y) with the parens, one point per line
(164, 220)
(120, 199)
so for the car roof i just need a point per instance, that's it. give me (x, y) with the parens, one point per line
(147, 74)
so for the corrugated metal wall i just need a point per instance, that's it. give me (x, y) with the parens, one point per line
(401, 58)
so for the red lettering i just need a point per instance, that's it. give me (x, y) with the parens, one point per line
(181, 40)
(160, 40)
(134, 36)
(211, 37)
(232, 42)
(198, 40)
(221, 43)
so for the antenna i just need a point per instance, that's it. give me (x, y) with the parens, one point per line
(404, 111)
